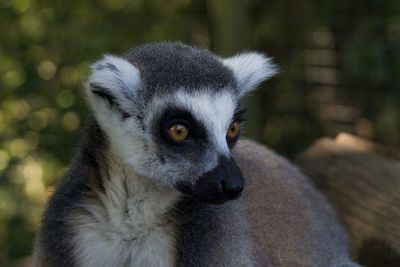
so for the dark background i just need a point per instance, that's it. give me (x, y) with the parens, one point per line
(339, 63)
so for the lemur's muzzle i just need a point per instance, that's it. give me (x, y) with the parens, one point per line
(225, 182)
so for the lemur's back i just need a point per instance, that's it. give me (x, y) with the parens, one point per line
(290, 221)
(280, 220)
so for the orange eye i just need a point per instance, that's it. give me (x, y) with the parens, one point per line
(178, 132)
(234, 130)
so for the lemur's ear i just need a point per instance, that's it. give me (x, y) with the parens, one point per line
(113, 82)
(250, 69)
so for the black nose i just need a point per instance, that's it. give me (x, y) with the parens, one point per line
(231, 191)
(224, 182)
(232, 181)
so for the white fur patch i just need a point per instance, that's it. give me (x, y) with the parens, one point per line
(250, 69)
(118, 78)
(115, 74)
(127, 224)
(123, 84)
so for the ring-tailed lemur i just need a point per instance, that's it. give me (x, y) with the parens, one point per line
(156, 159)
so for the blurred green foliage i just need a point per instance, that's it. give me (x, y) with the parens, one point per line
(339, 62)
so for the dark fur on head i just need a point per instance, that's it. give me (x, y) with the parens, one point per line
(169, 66)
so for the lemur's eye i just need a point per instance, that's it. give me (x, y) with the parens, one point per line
(234, 130)
(178, 132)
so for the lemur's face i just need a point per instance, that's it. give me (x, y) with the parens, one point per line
(174, 112)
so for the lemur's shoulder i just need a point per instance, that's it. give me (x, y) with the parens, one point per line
(290, 221)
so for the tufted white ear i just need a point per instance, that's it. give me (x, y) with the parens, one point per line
(113, 82)
(250, 69)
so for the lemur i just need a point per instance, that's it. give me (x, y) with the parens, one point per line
(158, 180)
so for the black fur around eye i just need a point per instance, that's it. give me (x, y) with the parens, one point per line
(240, 114)
(236, 126)
(179, 127)
(233, 133)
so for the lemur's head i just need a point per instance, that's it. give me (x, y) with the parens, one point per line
(174, 113)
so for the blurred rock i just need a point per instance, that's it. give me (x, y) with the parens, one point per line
(362, 181)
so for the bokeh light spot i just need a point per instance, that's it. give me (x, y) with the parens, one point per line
(70, 76)
(13, 79)
(33, 175)
(37, 121)
(32, 26)
(21, 109)
(18, 148)
(46, 70)
(70, 121)
(20, 6)
(51, 115)
(65, 99)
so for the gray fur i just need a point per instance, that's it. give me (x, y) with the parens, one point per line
(169, 66)
(290, 221)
